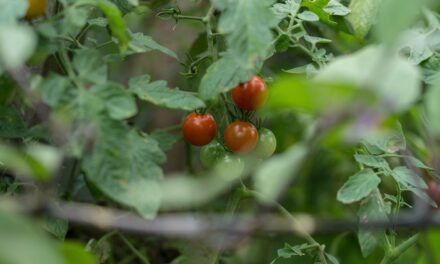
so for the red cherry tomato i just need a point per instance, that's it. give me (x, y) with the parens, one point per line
(198, 129)
(241, 137)
(251, 94)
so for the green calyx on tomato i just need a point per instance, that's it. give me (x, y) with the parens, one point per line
(266, 145)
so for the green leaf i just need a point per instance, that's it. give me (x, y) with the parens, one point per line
(332, 259)
(126, 6)
(140, 43)
(55, 226)
(406, 177)
(247, 29)
(371, 209)
(416, 43)
(432, 106)
(317, 7)
(391, 23)
(421, 193)
(288, 251)
(90, 66)
(18, 42)
(289, 8)
(335, 8)
(276, 173)
(75, 18)
(22, 243)
(75, 253)
(164, 139)
(8, 87)
(308, 16)
(116, 22)
(159, 94)
(120, 104)
(308, 69)
(363, 15)
(366, 69)
(124, 166)
(372, 161)
(101, 249)
(431, 70)
(418, 163)
(53, 89)
(388, 141)
(247, 26)
(222, 76)
(12, 124)
(358, 186)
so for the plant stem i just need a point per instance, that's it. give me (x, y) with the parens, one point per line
(76, 167)
(107, 236)
(231, 208)
(189, 164)
(195, 18)
(392, 255)
(141, 257)
(209, 34)
(104, 44)
(83, 31)
(295, 224)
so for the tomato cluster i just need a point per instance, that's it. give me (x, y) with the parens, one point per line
(240, 136)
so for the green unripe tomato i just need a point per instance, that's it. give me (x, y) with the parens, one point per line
(211, 154)
(230, 166)
(266, 145)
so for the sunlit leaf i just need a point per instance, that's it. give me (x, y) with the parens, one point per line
(363, 15)
(158, 93)
(358, 186)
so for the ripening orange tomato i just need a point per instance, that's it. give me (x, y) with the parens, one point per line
(241, 137)
(36, 8)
